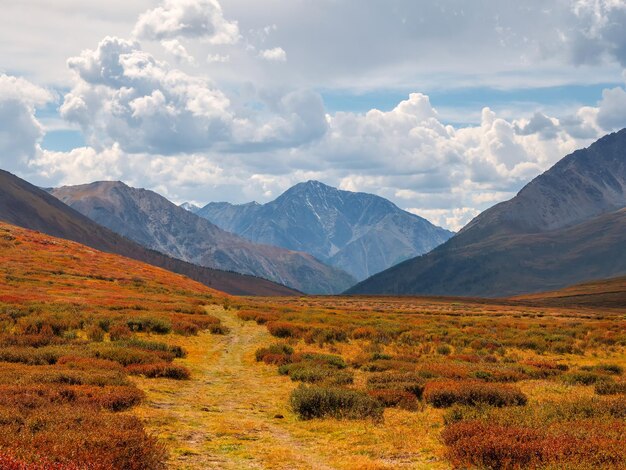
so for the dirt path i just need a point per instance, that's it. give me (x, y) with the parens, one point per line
(233, 414)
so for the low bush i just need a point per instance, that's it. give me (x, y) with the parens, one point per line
(396, 398)
(313, 372)
(445, 393)
(150, 324)
(583, 377)
(119, 332)
(310, 402)
(278, 354)
(613, 369)
(479, 444)
(160, 370)
(610, 388)
(285, 330)
(405, 382)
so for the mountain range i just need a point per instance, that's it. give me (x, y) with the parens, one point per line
(27, 206)
(359, 233)
(155, 222)
(566, 226)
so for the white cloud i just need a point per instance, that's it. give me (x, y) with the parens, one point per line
(175, 48)
(453, 219)
(20, 132)
(277, 54)
(201, 19)
(612, 109)
(124, 95)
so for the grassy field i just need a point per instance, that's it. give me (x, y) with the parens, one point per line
(107, 363)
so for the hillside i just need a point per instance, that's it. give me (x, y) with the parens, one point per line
(77, 324)
(603, 293)
(154, 222)
(25, 205)
(565, 227)
(357, 232)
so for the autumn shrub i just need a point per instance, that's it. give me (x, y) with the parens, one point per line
(149, 324)
(314, 372)
(30, 340)
(610, 388)
(331, 360)
(127, 355)
(185, 328)
(285, 330)
(120, 331)
(95, 333)
(612, 369)
(67, 433)
(160, 369)
(164, 350)
(391, 398)
(260, 317)
(405, 382)
(32, 356)
(310, 402)
(277, 354)
(218, 330)
(325, 335)
(583, 377)
(112, 398)
(445, 393)
(587, 444)
(364, 332)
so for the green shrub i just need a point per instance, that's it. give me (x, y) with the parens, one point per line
(310, 402)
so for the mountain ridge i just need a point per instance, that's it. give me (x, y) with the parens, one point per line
(153, 221)
(503, 250)
(360, 233)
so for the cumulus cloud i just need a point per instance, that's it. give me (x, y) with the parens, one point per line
(175, 48)
(202, 19)
(126, 96)
(612, 109)
(277, 54)
(20, 132)
(600, 31)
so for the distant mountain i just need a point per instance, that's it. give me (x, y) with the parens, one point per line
(188, 206)
(25, 205)
(357, 232)
(153, 221)
(566, 226)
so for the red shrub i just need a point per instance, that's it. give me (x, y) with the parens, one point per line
(285, 330)
(396, 398)
(444, 393)
(160, 369)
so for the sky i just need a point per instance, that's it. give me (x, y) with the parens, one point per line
(446, 108)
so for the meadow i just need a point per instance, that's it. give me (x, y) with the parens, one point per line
(514, 384)
(107, 363)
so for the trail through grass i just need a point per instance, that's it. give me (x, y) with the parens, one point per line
(234, 414)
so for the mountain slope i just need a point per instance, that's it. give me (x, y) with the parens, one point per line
(566, 226)
(27, 206)
(155, 222)
(357, 232)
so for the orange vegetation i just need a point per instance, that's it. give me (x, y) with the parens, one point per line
(73, 323)
(523, 383)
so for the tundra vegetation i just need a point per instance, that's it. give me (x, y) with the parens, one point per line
(75, 325)
(515, 385)
(107, 363)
